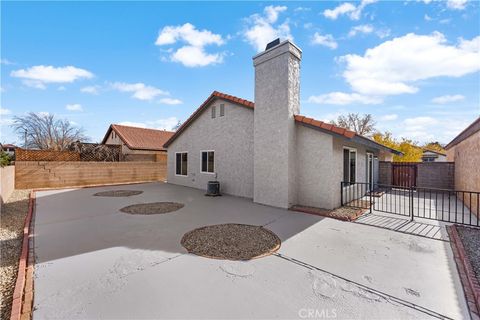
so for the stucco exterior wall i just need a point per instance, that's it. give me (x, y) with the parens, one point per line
(7, 177)
(231, 137)
(277, 100)
(467, 168)
(314, 168)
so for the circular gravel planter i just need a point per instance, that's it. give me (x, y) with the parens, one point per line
(118, 193)
(231, 241)
(153, 208)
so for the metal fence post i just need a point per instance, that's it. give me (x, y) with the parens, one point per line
(371, 202)
(411, 202)
(341, 193)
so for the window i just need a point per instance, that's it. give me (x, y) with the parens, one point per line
(222, 110)
(181, 163)
(214, 112)
(349, 165)
(208, 162)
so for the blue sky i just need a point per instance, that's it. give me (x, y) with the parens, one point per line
(414, 65)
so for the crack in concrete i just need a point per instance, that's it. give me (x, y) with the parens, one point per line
(389, 298)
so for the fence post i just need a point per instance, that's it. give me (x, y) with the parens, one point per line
(410, 194)
(371, 191)
(341, 193)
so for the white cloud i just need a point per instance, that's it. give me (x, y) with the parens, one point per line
(170, 101)
(140, 90)
(160, 124)
(61, 88)
(193, 53)
(426, 17)
(341, 98)
(456, 4)
(262, 29)
(324, 40)
(164, 124)
(364, 28)
(352, 11)
(74, 107)
(90, 89)
(394, 66)
(419, 123)
(4, 112)
(133, 124)
(39, 76)
(448, 98)
(389, 117)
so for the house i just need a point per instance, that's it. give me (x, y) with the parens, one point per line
(433, 156)
(9, 149)
(464, 150)
(138, 144)
(267, 150)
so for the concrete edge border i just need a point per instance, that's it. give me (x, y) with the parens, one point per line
(99, 185)
(22, 301)
(469, 281)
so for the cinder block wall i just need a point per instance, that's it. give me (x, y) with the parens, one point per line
(439, 175)
(7, 177)
(58, 174)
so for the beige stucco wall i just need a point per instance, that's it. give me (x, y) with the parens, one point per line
(231, 137)
(314, 176)
(7, 177)
(466, 155)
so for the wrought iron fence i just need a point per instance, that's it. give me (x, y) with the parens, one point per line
(454, 206)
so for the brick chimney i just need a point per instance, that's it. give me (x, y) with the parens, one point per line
(277, 100)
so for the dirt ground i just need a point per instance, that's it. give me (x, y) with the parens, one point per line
(13, 214)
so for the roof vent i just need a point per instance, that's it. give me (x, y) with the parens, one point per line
(272, 44)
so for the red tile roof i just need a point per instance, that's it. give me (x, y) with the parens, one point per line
(140, 138)
(249, 104)
(214, 95)
(325, 126)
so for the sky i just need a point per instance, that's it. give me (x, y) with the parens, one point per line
(413, 65)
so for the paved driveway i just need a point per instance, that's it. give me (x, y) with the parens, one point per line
(96, 262)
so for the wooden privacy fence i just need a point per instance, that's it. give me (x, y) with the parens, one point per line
(59, 174)
(45, 155)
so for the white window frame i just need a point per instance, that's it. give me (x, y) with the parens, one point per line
(214, 160)
(222, 110)
(213, 112)
(180, 175)
(356, 164)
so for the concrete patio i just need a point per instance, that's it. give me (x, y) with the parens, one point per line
(93, 261)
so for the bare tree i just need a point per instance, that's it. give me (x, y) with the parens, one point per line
(43, 131)
(178, 125)
(363, 125)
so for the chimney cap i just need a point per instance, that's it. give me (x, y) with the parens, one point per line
(272, 44)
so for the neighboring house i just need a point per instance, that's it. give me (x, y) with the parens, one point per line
(267, 150)
(464, 150)
(433, 156)
(9, 149)
(138, 144)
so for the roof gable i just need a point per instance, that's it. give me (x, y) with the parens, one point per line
(466, 133)
(203, 106)
(140, 138)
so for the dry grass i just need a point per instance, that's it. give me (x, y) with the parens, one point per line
(118, 193)
(231, 241)
(13, 214)
(153, 208)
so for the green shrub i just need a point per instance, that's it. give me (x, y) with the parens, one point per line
(5, 159)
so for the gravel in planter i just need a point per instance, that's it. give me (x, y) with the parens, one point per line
(118, 193)
(231, 241)
(152, 208)
(471, 241)
(13, 213)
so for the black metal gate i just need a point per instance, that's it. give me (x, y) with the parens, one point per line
(453, 206)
